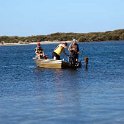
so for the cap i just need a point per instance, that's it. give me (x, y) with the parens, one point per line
(74, 41)
(38, 43)
(65, 43)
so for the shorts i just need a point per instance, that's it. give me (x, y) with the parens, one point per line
(56, 55)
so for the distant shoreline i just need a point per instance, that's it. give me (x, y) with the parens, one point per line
(60, 37)
(44, 42)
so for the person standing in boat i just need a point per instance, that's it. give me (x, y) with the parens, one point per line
(39, 51)
(74, 49)
(58, 50)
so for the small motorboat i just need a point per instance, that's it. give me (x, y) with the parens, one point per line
(51, 63)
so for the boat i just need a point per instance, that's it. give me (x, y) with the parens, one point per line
(51, 63)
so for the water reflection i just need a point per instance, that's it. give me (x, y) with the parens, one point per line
(34, 95)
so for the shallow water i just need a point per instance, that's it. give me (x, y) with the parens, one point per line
(31, 95)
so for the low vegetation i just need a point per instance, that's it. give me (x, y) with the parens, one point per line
(81, 37)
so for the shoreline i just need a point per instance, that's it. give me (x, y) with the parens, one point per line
(44, 42)
(33, 43)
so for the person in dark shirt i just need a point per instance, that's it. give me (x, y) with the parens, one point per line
(74, 49)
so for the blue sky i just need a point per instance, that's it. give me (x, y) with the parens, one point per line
(39, 17)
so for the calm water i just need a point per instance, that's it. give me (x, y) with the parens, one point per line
(30, 95)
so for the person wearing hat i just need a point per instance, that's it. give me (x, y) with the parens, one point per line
(74, 49)
(58, 50)
(39, 51)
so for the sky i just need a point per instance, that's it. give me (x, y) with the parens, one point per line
(43, 17)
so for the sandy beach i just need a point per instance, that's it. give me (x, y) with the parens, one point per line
(42, 42)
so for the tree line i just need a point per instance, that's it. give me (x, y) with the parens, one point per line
(81, 37)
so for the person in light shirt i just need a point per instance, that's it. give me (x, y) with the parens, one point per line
(58, 50)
